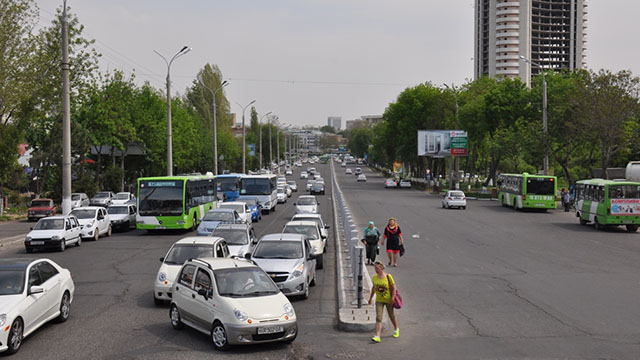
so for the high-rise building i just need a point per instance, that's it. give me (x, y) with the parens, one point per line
(334, 121)
(550, 33)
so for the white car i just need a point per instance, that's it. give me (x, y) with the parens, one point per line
(288, 172)
(348, 171)
(123, 217)
(79, 199)
(390, 183)
(454, 198)
(123, 198)
(306, 204)
(361, 177)
(95, 221)
(182, 250)
(232, 301)
(54, 232)
(312, 231)
(240, 207)
(304, 175)
(282, 194)
(32, 293)
(313, 217)
(405, 183)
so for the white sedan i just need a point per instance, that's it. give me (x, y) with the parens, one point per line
(240, 207)
(361, 177)
(454, 198)
(54, 232)
(32, 292)
(95, 221)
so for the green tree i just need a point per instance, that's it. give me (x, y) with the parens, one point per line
(360, 140)
(328, 129)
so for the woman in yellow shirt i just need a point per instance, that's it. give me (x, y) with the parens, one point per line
(385, 290)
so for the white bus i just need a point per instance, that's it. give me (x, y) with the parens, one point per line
(265, 187)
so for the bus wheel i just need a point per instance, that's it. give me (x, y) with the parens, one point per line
(632, 228)
(582, 221)
(596, 224)
(515, 204)
(195, 223)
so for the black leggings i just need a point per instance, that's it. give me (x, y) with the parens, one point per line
(371, 251)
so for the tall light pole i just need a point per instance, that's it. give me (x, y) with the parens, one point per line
(185, 49)
(545, 162)
(260, 131)
(278, 149)
(457, 162)
(244, 135)
(270, 158)
(213, 110)
(66, 117)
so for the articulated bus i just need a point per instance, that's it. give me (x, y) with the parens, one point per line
(608, 202)
(265, 187)
(526, 191)
(229, 186)
(174, 202)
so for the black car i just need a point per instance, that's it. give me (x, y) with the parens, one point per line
(317, 188)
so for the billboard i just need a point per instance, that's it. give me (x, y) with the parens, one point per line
(442, 143)
(398, 167)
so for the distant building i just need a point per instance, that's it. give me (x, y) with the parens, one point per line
(335, 122)
(364, 121)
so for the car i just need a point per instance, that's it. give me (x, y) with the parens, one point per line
(348, 171)
(390, 183)
(32, 293)
(215, 217)
(40, 208)
(79, 199)
(317, 188)
(95, 221)
(54, 232)
(405, 183)
(190, 247)
(102, 198)
(288, 172)
(313, 217)
(232, 301)
(293, 185)
(454, 198)
(287, 189)
(241, 207)
(304, 175)
(281, 194)
(241, 238)
(289, 261)
(343, 164)
(317, 176)
(361, 177)
(254, 205)
(306, 204)
(123, 198)
(312, 231)
(123, 216)
(357, 172)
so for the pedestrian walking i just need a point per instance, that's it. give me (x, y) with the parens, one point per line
(371, 239)
(567, 201)
(393, 236)
(384, 287)
(562, 193)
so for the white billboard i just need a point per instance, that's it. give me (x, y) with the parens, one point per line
(437, 143)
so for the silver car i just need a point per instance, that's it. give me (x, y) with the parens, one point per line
(79, 199)
(454, 198)
(306, 204)
(123, 216)
(102, 198)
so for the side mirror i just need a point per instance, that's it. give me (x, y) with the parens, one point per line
(162, 259)
(311, 257)
(248, 255)
(294, 204)
(31, 228)
(203, 292)
(327, 226)
(323, 237)
(35, 290)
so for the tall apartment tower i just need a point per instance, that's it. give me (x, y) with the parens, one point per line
(335, 121)
(550, 33)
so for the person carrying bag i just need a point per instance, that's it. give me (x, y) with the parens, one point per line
(384, 288)
(371, 239)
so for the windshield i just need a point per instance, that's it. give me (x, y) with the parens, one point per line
(75, 197)
(11, 282)
(180, 253)
(278, 250)
(252, 186)
(310, 231)
(218, 216)
(237, 207)
(84, 214)
(306, 201)
(102, 195)
(232, 236)
(540, 186)
(624, 191)
(305, 218)
(163, 197)
(49, 224)
(228, 184)
(113, 210)
(121, 197)
(280, 190)
(244, 282)
(39, 203)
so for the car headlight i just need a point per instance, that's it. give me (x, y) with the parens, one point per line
(162, 276)
(55, 237)
(240, 315)
(89, 224)
(298, 271)
(3, 319)
(28, 238)
(288, 310)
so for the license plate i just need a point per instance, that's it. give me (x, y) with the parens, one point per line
(270, 329)
(161, 227)
(627, 222)
(37, 243)
(539, 204)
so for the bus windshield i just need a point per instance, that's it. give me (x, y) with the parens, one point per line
(227, 183)
(624, 191)
(162, 197)
(255, 186)
(540, 186)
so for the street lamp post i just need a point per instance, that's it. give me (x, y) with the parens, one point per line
(213, 110)
(270, 158)
(260, 131)
(545, 162)
(456, 159)
(182, 51)
(244, 141)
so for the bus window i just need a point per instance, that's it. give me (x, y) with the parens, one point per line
(624, 192)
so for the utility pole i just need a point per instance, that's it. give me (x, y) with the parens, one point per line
(270, 158)
(278, 149)
(260, 131)
(66, 116)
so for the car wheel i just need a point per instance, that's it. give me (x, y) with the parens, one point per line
(96, 236)
(63, 245)
(29, 249)
(443, 204)
(127, 226)
(464, 208)
(79, 242)
(15, 337)
(319, 263)
(157, 302)
(174, 315)
(65, 308)
(305, 296)
(109, 231)
(582, 221)
(219, 336)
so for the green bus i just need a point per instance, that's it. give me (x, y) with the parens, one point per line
(608, 202)
(526, 191)
(174, 202)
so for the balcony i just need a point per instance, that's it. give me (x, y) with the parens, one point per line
(508, 42)
(509, 27)
(514, 72)
(508, 4)
(512, 11)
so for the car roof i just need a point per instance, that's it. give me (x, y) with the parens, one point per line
(124, 192)
(239, 226)
(117, 205)
(207, 240)
(306, 196)
(282, 236)
(47, 199)
(233, 203)
(307, 215)
(56, 217)
(301, 223)
(88, 208)
(221, 210)
(16, 263)
(222, 263)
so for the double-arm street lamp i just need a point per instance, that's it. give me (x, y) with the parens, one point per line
(545, 162)
(260, 131)
(213, 110)
(182, 51)
(244, 144)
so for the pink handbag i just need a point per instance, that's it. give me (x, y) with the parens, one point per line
(397, 299)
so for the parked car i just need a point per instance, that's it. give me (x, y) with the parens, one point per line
(215, 217)
(293, 185)
(232, 301)
(241, 207)
(313, 217)
(390, 183)
(312, 231)
(182, 250)
(123, 217)
(454, 198)
(254, 205)
(288, 172)
(304, 175)
(357, 172)
(306, 204)
(405, 183)
(240, 238)
(32, 293)
(79, 199)
(361, 177)
(289, 261)
(348, 171)
(102, 198)
(40, 208)
(343, 164)
(95, 221)
(54, 232)
(317, 188)
(282, 194)
(123, 198)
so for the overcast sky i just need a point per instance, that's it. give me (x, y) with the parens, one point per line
(305, 60)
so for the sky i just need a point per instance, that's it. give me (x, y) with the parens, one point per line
(306, 60)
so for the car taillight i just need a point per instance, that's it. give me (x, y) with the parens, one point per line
(464, 198)
(450, 198)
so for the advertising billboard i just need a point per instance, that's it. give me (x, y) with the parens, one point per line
(442, 143)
